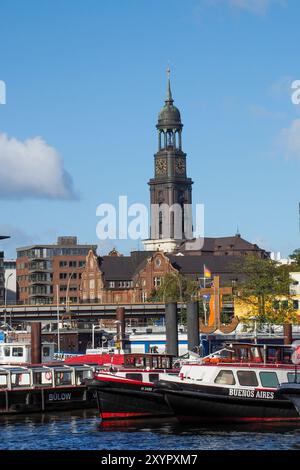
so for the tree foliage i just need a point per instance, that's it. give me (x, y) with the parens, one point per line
(175, 288)
(295, 257)
(266, 290)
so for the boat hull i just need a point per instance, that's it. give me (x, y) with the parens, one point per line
(117, 400)
(208, 404)
(46, 400)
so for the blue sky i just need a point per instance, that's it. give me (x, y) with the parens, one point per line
(85, 81)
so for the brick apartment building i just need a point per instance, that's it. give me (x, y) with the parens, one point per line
(123, 279)
(41, 268)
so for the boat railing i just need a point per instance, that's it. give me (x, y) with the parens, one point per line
(235, 363)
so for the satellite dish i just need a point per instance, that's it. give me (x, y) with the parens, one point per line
(296, 354)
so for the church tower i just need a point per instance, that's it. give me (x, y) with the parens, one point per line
(170, 189)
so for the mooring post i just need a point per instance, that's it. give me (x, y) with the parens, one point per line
(193, 326)
(36, 343)
(287, 333)
(120, 316)
(171, 328)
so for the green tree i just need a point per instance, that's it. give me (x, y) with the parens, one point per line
(175, 288)
(295, 257)
(266, 289)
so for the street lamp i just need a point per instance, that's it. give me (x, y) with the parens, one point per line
(95, 327)
(5, 296)
(119, 334)
(255, 328)
(179, 285)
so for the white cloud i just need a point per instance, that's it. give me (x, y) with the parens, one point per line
(32, 169)
(289, 139)
(264, 113)
(258, 7)
(281, 88)
(254, 6)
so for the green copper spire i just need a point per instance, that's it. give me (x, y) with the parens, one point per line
(169, 98)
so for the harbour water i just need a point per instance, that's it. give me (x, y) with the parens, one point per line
(83, 431)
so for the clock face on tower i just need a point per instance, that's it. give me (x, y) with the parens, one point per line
(161, 166)
(180, 166)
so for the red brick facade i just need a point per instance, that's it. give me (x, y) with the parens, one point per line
(94, 287)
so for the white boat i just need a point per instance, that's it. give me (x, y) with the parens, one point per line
(243, 382)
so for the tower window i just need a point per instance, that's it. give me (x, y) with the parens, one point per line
(160, 227)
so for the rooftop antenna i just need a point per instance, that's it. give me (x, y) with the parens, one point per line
(237, 232)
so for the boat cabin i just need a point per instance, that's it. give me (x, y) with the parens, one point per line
(252, 353)
(148, 361)
(17, 377)
(20, 352)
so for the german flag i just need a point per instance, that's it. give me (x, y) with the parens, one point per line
(207, 273)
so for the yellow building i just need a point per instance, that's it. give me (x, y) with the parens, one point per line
(247, 309)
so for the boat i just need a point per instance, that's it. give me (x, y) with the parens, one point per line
(127, 391)
(52, 385)
(43, 388)
(19, 352)
(240, 383)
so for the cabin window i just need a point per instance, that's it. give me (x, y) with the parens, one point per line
(225, 377)
(247, 378)
(46, 351)
(292, 376)
(17, 352)
(165, 362)
(133, 376)
(269, 379)
(153, 377)
(82, 375)
(3, 381)
(148, 362)
(62, 378)
(6, 352)
(20, 379)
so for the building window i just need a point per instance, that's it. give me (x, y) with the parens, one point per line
(72, 264)
(157, 281)
(62, 264)
(296, 304)
(112, 284)
(62, 275)
(81, 264)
